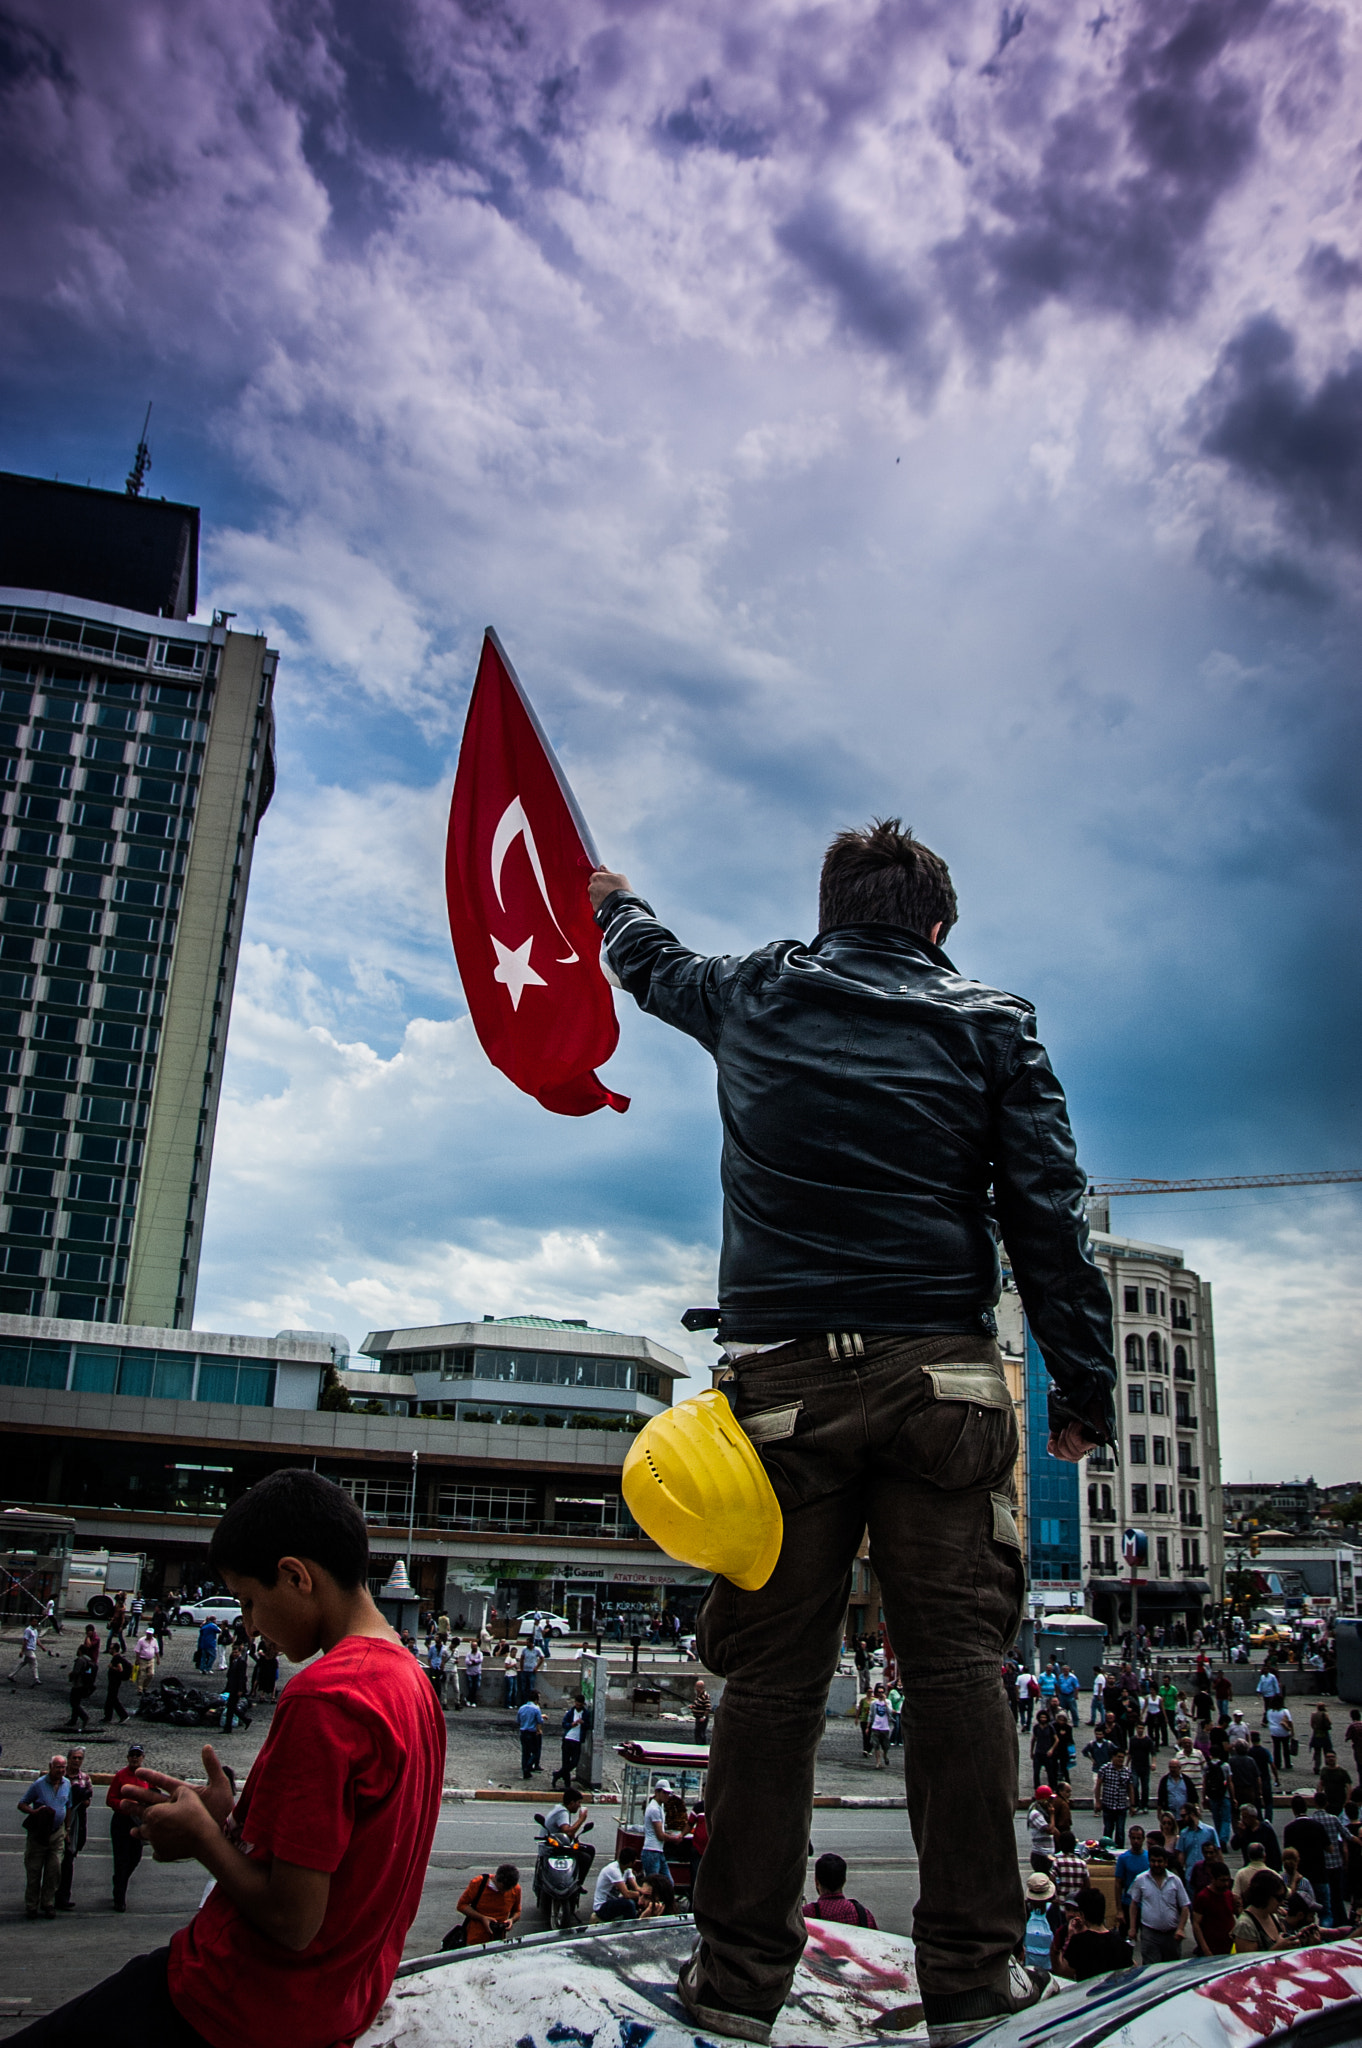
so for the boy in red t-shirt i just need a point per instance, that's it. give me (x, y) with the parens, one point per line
(319, 1864)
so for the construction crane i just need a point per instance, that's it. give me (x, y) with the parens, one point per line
(1227, 1180)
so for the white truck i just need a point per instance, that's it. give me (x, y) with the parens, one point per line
(98, 1577)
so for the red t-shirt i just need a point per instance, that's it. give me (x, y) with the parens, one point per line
(349, 1782)
(120, 1779)
(1217, 1913)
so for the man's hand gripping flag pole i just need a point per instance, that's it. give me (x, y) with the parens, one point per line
(517, 861)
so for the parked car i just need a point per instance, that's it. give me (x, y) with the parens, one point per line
(549, 1624)
(1268, 1634)
(219, 1607)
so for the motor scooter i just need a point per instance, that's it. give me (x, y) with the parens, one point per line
(557, 1878)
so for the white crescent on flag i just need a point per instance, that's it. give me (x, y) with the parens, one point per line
(513, 824)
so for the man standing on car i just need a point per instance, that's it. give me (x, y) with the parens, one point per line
(884, 1119)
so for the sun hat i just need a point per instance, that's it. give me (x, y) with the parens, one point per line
(1039, 1887)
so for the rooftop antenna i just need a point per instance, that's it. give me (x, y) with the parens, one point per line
(137, 475)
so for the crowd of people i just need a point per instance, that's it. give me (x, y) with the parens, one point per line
(1216, 1870)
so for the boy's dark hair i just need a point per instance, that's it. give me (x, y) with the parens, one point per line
(292, 1513)
(507, 1877)
(1092, 1905)
(830, 1870)
(885, 876)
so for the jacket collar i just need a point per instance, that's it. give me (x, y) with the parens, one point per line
(897, 939)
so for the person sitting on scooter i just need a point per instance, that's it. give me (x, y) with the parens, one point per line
(569, 1818)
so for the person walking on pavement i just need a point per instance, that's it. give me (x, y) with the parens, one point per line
(117, 1672)
(1159, 1908)
(574, 1728)
(701, 1709)
(82, 1685)
(124, 1840)
(82, 1792)
(530, 1722)
(472, 1671)
(238, 1681)
(207, 1648)
(881, 1727)
(1111, 1796)
(856, 1298)
(44, 1807)
(510, 1675)
(144, 1655)
(28, 1656)
(531, 1657)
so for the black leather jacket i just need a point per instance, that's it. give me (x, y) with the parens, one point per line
(870, 1098)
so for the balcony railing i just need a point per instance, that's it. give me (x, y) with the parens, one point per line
(1191, 1521)
(1101, 1514)
(1189, 1471)
(1184, 1373)
(501, 1525)
(1186, 1421)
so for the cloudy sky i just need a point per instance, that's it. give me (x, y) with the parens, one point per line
(884, 405)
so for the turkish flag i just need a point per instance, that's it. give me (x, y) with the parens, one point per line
(516, 866)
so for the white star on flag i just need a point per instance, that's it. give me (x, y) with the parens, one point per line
(514, 970)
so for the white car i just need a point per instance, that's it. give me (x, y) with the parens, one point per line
(220, 1608)
(548, 1624)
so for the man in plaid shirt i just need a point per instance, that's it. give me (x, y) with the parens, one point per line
(1335, 1859)
(1112, 1797)
(1068, 1871)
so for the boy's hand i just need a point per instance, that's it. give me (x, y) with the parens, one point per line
(180, 1827)
(604, 883)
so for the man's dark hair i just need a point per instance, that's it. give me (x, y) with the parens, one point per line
(507, 1876)
(1262, 1888)
(1159, 1848)
(830, 1870)
(1092, 1905)
(293, 1513)
(885, 876)
(1067, 1841)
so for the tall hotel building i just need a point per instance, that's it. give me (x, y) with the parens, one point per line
(136, 753)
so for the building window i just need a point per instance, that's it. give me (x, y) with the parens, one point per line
(1151, 1301)
(1155, 1353)
(1132, 1301)
(1183, 1406)
(472, 1503)
(1109, 1552)
(1158, 1400)
(1196, 1553)
(1165, 1568)
(1095, 1553)
(1139, 1500)
(1179, 1361)
(1134, 1353)
(1135, 1400)
(1137, 1451)
(1161, 1498)
(1160, 1450)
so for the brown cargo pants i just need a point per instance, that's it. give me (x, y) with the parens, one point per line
(916, 1438)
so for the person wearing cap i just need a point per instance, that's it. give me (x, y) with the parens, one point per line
(124, 1840)
(653, 1861)
(1040, 1925)
(885, 1122)
(1040, 1822)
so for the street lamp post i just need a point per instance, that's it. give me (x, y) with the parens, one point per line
(411, 1517)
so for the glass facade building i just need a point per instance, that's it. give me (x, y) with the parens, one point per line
(136, 759)
(1053, 1525)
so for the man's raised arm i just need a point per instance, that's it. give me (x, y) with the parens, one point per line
(683, 988)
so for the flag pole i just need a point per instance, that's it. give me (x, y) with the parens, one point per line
(569, 797)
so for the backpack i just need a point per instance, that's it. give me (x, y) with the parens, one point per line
(457, 1937)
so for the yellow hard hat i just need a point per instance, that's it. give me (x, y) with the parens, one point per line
(694, 1483)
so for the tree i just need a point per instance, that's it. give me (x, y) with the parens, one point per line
(333, 1394)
